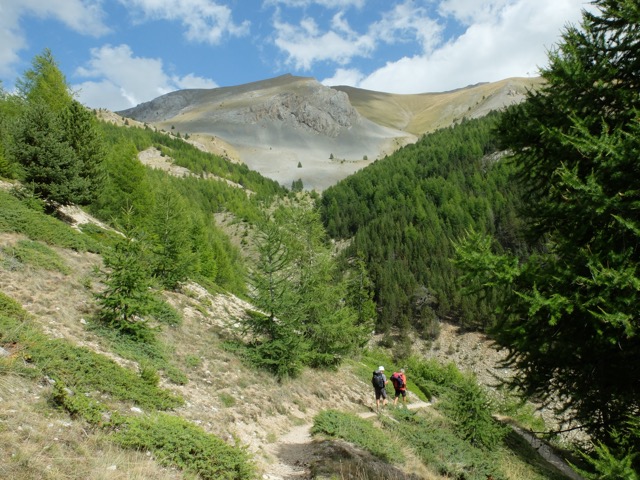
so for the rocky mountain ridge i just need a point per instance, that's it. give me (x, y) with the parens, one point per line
(289, 128)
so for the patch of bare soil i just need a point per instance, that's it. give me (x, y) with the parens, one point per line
(206, 143)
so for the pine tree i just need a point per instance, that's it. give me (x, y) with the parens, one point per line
(278, 344)
(82, 135)
(44, 83)
(55, 140)
(48, 162)
(571, 319)
(170, 227)
(126, 298)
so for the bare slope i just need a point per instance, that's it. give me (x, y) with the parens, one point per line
(289, 128)
(426, 112)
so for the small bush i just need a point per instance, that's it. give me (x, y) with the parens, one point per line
(162, 312)
(175, 441)
(151, 352)
(358, 431)
(435, 442)
(193, 361)
(78, 368)
(227, 400)
(11, 309)
(80, 406)
(99, 235)
(38, 255)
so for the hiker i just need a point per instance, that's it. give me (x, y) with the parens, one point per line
(379, 382)
(399, 380)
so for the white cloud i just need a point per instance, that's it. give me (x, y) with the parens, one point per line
(344, 76)
(305, 44)
(205, 21)
(407, 23)
(85, 17)
(471, 11)
(512, 42)
(124, 81)
(193, 81)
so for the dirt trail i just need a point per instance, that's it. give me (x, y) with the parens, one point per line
(295, 449)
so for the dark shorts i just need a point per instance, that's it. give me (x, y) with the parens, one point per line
(380, 393)
(401, 392)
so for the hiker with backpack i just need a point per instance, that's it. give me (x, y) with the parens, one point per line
(379, 382)
(399, 380)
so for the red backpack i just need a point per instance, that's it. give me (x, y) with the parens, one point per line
(397, 381)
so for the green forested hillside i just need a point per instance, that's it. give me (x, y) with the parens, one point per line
(184, 206)
(567, 310)
(404, 212)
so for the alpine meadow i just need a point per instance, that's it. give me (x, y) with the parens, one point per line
(167, 312)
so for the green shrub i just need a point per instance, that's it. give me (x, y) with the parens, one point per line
(162, 312)
(107, 238)
(609, 466)
(38, 255)
(227, 400)
(9, 308)
(175, 441)
(149, 375)
(358, 431)
(78, 405)
(469, 408)
(80, 369)
(437, 445)
(151, 352)
(193, 361)
(18, 217)
(85, 371)
(433, 378)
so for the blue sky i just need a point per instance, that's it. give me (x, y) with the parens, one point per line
(119, 53)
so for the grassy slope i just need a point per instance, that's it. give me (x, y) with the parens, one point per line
(222, 395)
(426, 112)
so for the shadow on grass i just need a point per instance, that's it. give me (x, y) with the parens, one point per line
(542, 457)
(341, 460)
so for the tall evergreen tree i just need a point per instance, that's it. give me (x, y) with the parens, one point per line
(305, 315)
(170, 227)
(126, 298)
(330, 323)
(278, 343)
(55, 139)
(45, 83)
(48, 162)
(82, 135)
(126, 185)
(571, 320)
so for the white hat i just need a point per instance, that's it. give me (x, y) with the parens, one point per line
(381, 369)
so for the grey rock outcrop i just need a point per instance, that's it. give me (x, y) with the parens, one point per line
(322, 110)
(294, 102)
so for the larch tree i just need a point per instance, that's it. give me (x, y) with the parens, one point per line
(571, 318)
(45, 83)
